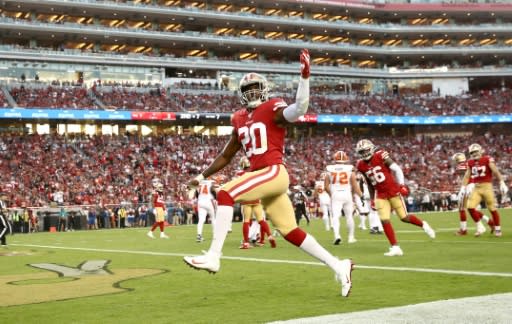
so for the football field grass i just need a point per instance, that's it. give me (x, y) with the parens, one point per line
(146, 281)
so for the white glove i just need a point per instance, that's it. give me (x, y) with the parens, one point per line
(469, 188)
(503, 188)
(462, 192)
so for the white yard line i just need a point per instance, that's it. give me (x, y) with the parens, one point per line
(493, 309)
(357, 266)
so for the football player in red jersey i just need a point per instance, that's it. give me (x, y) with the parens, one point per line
(387, 186)
(478, 181)
(159, 209)
(461, 166)
(250, 209)
(259, 129)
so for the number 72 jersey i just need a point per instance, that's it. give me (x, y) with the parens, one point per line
(261, 138)
(339, 177)
(379, 175)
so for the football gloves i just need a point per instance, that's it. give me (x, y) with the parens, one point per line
(461, 194)
(404, 190)
(503, 188)
(469, 188)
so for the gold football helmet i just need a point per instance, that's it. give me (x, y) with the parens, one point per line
(475, 151)
(365, 149)
(253, 90)
(459, 157)
(159, 187)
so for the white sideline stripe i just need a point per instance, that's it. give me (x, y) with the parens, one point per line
(443, 271)
(481, 309)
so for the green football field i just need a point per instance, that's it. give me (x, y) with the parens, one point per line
(139, 280)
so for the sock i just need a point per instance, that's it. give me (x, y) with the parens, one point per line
(336, 227)
(264, 230)
(325, 218)
(495, 218)
(350, 225)
(161, 224)
(462, 215)
(296, 236)
(155, 224)
(222, 223)
(313, 248)
(200, 222)
(374, 220)
(415, 220)
(464, 225)
(363, 220)
(475, 214)
(390, 233)
(245, 231)
(487, 220)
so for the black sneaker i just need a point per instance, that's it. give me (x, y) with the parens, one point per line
(375, 230)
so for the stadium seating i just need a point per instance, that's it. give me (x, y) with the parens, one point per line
(114, 169)
(158, 99)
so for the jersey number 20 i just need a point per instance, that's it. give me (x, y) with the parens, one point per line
(253, 139)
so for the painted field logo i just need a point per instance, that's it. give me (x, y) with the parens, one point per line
(58, 282)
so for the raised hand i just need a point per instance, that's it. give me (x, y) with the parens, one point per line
(304, 63)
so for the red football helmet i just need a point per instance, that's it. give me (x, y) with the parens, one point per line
(341, 157)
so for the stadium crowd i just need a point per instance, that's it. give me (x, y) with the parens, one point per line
(38, 170)
(3, 101)
(145, 98)
(52, 97)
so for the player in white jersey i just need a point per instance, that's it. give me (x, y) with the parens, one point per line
(206, 205)
(324, 201)
(364, 206)
(362, 203)
(341, 183)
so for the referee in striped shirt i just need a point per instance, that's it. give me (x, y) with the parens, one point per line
(5, 227)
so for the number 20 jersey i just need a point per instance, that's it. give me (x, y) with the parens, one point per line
(261, 138)
(379, 175)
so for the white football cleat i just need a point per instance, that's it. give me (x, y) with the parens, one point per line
(150, 235)
(351, 239)
(430, 232)
(344, 276)
(163, 235)
(395, 250)
(209, 261)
